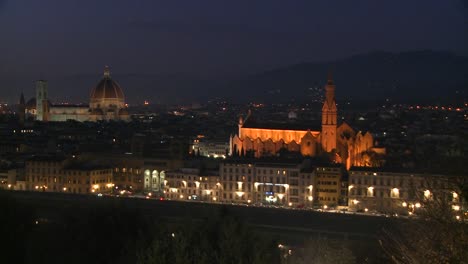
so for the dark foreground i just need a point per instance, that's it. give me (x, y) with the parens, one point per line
(62, 228)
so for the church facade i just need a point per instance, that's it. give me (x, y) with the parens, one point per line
(107, 102)
(348, 145)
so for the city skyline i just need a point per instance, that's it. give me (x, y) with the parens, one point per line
(266, 132)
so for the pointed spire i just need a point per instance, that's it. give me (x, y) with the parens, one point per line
(106, 72)
(330, 77)
(22, 102)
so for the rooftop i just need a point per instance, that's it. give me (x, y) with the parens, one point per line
(48, 158)
(311, 125)
(86, 166)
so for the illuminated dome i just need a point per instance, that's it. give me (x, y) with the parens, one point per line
(107, 101)
(107, 93)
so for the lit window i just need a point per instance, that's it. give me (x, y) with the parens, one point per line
(427, 194)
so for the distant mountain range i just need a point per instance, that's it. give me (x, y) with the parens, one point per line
(419, 76)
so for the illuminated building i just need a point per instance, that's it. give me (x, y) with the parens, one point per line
(190, 184)
(395, 192)
(287, 184)
(154, 180)
(238, 182)
(16, 179)
(210, 148)
(138, 174)
(268, 139)
(60, 174)
(107, 102)
(328, 184)
(42, 104)
(280, 183)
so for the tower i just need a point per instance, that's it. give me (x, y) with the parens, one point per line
(21, 109)
(329, 117)
(42, 105)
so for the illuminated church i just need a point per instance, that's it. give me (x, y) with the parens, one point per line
(349, 145)
(107, 102)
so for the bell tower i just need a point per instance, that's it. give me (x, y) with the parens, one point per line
(329, 117)
(42, 106)
(21, 109)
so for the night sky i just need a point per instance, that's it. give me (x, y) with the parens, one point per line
(53, 39)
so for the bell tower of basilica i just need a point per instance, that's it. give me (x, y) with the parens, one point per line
(329, 117)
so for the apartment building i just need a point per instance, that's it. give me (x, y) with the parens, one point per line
(61, 174)
(191, 184)
(397, 192)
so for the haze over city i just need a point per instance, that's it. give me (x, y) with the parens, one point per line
(156, 47)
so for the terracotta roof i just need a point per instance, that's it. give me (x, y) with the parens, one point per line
(310, 125)
(107, 88)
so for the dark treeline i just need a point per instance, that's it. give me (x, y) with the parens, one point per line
(115, 233)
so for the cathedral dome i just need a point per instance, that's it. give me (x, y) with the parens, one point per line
(107, 93)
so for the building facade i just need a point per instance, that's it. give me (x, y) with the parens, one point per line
(60, 174)
(288, 184)
(210, 148)
(397, 192)
(192, 184)
(310, 140)
(107, 102)
(328, 182)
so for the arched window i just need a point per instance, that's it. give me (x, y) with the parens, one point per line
(155, 180)
(162, 177)
(147, 176)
